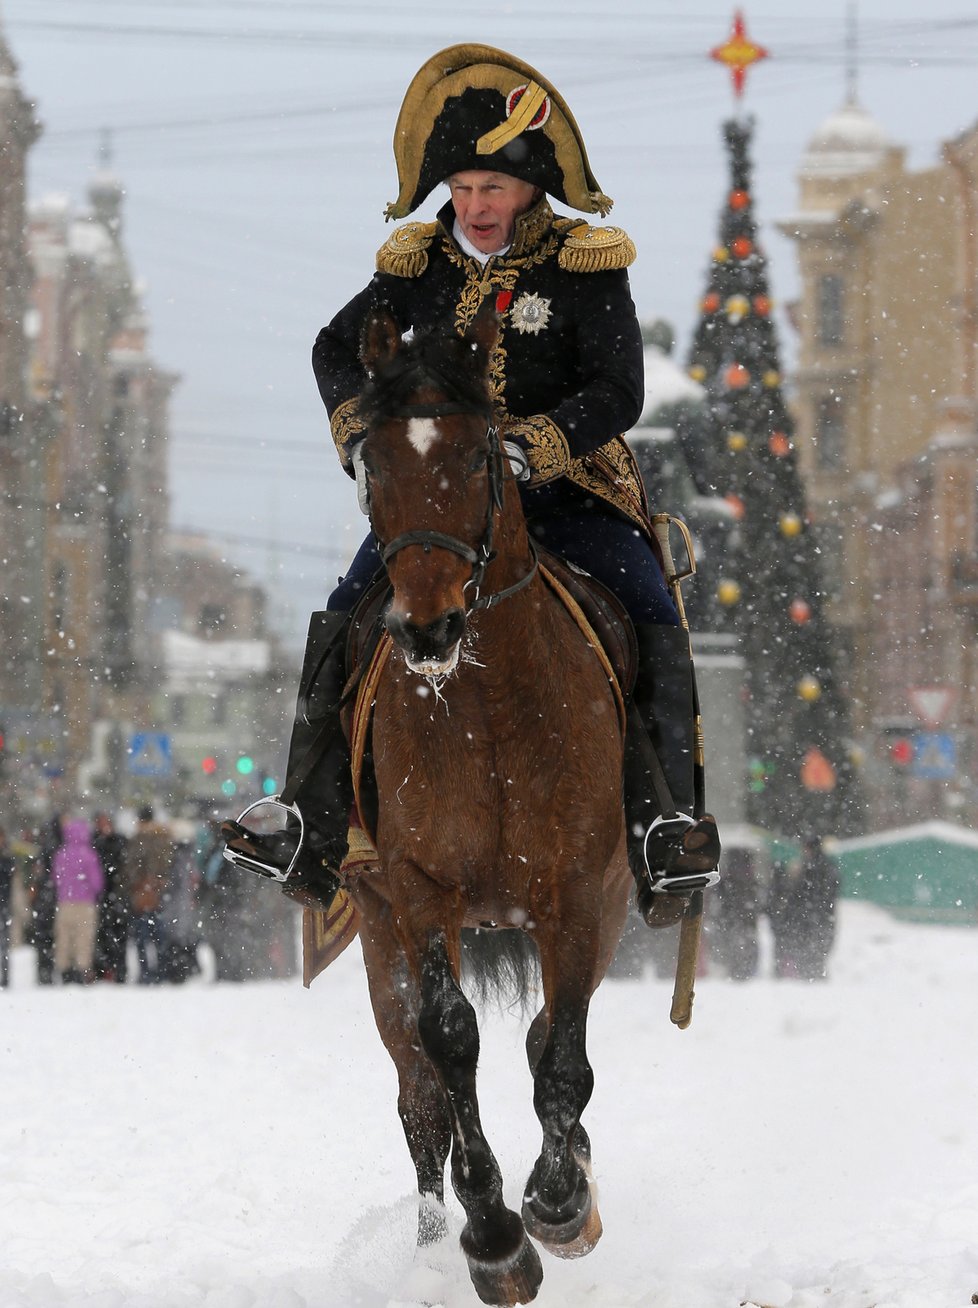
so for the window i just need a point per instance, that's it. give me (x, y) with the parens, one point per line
(830, 432)
(831, 319)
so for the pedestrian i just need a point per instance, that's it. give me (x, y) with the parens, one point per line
(150, 857)
(8, 865)
(79, 881)
(566, 377)
(802, 910)
(43, 899)
(181, 911)
(112, 934)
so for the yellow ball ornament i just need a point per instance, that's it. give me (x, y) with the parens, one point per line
(721, 254)
(697, 372)
(808, 689)
(790, 524)
(771, 379)
(737, 442)
(728, 592)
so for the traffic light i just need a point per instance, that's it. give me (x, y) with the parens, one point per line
(269, 785)
(208, 765)
(245, 765)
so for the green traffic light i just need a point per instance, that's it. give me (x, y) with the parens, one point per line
(245, 765)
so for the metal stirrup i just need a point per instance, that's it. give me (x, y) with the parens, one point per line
(682, 883)
(249, 862)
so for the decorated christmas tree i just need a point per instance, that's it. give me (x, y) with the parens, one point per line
(740, 446)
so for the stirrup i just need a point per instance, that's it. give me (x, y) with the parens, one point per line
(251, 862)
(679, 883)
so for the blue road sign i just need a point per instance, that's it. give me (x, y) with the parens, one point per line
(150, 754)
(934, 756)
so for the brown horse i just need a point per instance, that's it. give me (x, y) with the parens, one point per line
(497, 751)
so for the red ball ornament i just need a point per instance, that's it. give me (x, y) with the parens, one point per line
(711, 302)
(737, 377)
(799, 611)
(762, 305)
(739, 200)
(737, 506)
(741, 247)
(779, 445)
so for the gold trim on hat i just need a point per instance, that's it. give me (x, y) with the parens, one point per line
(520, 119)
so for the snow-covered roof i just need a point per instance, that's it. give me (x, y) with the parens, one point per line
(849, 141)
(942, 832)
(665, 383)
(185, 655)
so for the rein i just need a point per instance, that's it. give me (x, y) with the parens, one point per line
(482, 555)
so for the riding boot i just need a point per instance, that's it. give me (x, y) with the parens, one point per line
(308, 863)
(673, 846)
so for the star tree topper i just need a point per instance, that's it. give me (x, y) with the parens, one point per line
(738, 53)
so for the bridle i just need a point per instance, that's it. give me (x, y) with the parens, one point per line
(482, 555)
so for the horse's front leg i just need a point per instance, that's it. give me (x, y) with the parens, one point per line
(421, 1101)
(503, 1264)
(558, 1207)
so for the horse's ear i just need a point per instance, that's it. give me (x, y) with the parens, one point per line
(380, 338)
(483, 331)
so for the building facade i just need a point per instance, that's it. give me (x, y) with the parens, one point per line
(884, 399)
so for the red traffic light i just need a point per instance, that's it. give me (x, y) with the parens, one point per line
(901, 751)
(209, 765)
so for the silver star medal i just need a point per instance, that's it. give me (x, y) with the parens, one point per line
(530, 313)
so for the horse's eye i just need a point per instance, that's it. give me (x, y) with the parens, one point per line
(478, 461)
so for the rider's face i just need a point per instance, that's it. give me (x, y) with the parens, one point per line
(487, 206)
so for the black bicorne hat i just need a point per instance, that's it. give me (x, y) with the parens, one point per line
(473, 106)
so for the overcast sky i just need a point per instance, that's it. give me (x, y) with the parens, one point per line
(253, 141)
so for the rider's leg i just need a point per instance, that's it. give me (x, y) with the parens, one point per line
(325, 795)
(663, 709)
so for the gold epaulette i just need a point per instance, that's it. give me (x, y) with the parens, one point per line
(596, 249)
(405, 252)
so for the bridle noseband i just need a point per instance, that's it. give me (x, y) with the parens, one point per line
(482, 555)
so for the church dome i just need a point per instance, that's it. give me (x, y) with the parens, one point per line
(849, 141)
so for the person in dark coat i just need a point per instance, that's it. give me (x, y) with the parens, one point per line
(113, 919)
(802, 910)
(43, 900)
(566, 379)
(8, 865)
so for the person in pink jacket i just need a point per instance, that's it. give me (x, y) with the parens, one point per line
(79, 881)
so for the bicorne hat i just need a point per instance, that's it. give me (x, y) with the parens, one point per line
(472, 106)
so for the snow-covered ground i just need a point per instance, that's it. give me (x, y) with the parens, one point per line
(220, 1146)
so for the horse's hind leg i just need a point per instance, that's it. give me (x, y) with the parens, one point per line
(558, 1207)
(503, 1264)
(421, 1102)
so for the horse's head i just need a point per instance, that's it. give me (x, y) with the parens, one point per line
(434, 474)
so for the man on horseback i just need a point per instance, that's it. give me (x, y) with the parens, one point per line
(567, 380)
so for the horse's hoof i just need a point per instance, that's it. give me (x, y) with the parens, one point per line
(571, 1239)
(512, 1282)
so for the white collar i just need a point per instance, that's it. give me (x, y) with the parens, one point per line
(468, 248)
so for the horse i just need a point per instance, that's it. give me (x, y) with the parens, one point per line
(497, 752)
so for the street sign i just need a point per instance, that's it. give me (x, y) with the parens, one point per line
(934, 756)
(931, 703)
(150, 754)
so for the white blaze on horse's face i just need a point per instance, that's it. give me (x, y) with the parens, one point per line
(422, 433)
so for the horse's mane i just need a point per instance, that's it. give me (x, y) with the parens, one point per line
(433, 358)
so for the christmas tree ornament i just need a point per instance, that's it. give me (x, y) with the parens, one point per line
(741, 247)
(737, 307)
(738, 53)
(739, 200)
(809, 689)
(800, 611)
(737, 377)
(728, 592)
(737, 442)
(790, 525)
(778, 444)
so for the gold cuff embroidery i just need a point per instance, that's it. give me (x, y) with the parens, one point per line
(612, 474)
(547, 447)
(596, 249)
(347, 427)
